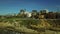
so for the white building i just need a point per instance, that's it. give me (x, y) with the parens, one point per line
(28, 14)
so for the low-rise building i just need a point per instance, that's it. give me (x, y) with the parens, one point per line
(44, 11)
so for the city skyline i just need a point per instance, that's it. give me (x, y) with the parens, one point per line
(14, 6)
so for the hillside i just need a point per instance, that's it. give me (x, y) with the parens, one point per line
(30, 25)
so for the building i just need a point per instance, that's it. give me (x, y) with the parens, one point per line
(34, 13)
(28, 14)
(44, 11)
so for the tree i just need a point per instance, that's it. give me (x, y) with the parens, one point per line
(22, 13)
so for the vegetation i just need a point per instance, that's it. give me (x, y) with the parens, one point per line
(29, 25)
(38, 23)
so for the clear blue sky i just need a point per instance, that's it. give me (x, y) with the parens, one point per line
(14, 6)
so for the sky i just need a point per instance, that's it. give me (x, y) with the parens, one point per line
(14, 6)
